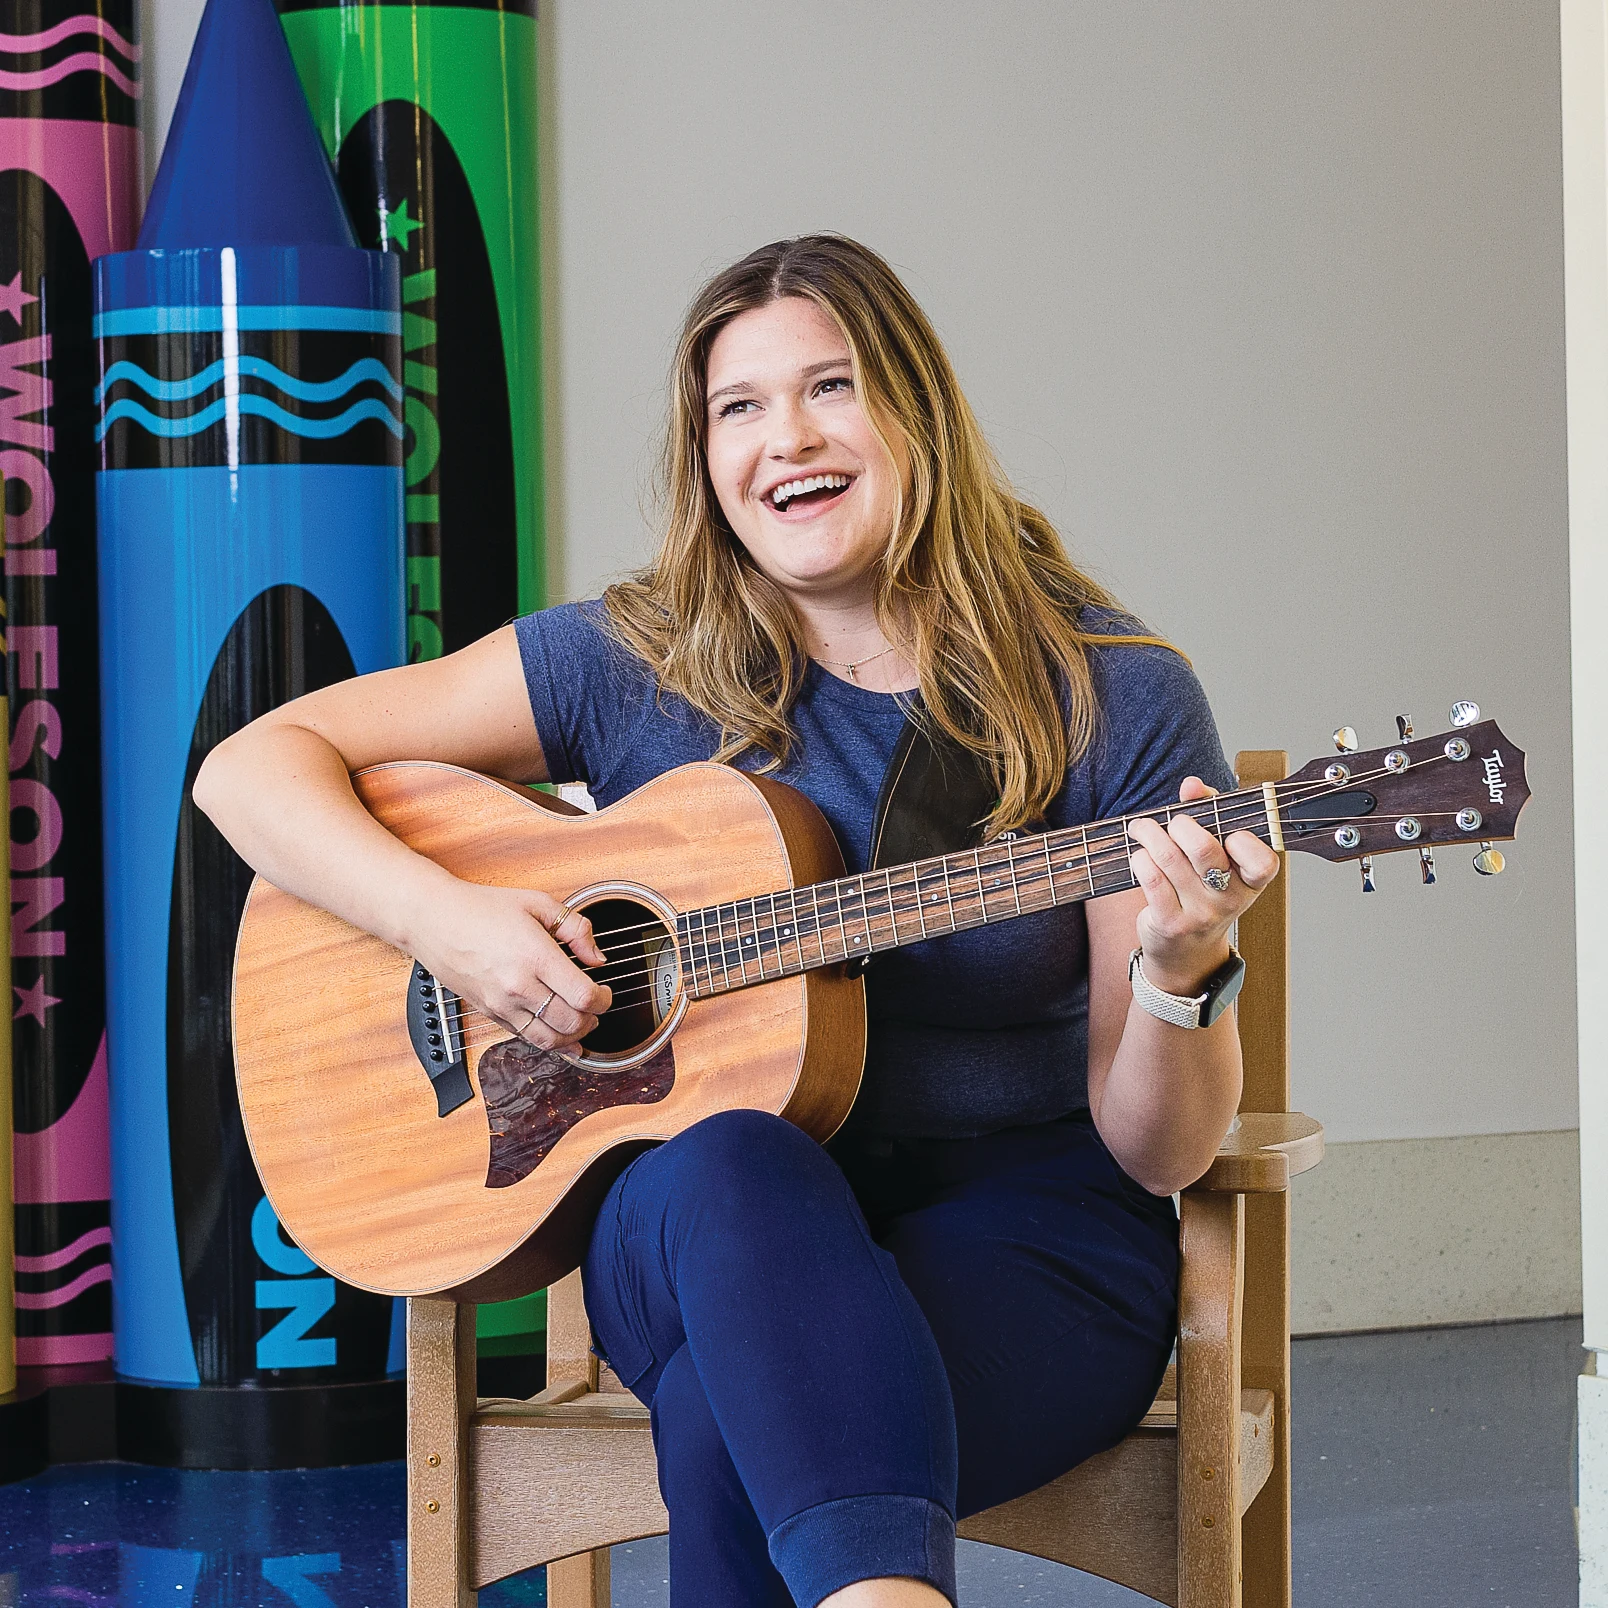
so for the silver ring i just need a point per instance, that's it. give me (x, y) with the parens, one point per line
(536, 1016)
(530, 1016)
(1216, 880)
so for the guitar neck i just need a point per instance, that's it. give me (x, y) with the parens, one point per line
(795, 930)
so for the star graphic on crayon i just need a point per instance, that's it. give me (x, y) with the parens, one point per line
(33, 1002)
(13, 298)
(396, 224)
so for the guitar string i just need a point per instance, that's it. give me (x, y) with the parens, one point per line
(1029, 880)
(1247, 804)
(1250, 802)
(1108, 849)
(1101, 850)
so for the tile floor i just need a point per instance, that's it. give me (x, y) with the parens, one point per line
(1432, 1468)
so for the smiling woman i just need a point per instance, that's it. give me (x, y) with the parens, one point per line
(972, 1287)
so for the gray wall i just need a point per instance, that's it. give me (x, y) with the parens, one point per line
(1262, 302)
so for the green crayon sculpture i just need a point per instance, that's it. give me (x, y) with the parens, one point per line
(429, 111)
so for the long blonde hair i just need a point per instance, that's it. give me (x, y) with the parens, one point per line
(974, 586)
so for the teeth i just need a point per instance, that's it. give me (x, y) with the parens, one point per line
(797, 488)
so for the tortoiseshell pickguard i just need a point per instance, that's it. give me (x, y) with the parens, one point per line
(533, 1098)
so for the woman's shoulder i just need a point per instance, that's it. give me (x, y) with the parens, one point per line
(576, 638)
(1130, 660)
(1154, 724)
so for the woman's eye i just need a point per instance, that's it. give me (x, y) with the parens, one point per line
(730, 409)
(827, 387)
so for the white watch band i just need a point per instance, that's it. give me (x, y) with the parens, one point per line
(1180, 1010)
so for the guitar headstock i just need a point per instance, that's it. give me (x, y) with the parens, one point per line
(1466, 785)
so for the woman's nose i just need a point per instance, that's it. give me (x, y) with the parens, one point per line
(792, 432)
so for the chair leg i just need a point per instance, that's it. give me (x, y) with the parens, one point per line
(1267, 1367)
(1210, 1301)
(441, 1401)
(580, 1582)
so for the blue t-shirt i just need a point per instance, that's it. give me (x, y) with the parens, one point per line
(969, 1033)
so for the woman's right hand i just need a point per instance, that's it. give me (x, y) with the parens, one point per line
(503, 950)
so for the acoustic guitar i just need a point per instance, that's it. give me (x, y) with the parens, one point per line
(412, 1146)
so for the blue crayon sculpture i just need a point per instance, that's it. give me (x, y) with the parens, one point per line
(251, 520)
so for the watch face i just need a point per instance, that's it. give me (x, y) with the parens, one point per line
(1222, 988)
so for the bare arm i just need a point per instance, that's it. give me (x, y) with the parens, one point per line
(280, 791)
(1164, 1096)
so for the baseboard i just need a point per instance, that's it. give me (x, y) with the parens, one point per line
(1401, 1233)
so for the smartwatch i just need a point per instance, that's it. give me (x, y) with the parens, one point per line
(1218, 992)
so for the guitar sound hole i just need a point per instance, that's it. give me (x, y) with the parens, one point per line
(642, 970)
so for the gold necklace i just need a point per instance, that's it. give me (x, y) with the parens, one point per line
(852, 665)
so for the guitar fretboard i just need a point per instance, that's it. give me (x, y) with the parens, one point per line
(794, 930)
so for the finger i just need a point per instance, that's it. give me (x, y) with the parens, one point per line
(576, 931)
(560, 1023)
(1254, 862)
(582, 994)
(1173, 863)
(1204, 852)
(1161, 897)
(1193, 788)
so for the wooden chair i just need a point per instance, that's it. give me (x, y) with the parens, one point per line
(1192, 1509)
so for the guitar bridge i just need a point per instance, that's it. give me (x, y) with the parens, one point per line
(435, 1025)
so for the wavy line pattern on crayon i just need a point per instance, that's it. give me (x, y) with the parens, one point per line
(52, 1260)
(39, 1300)
(86, 61)
(257, 368)
(30, 44)
(258, 406)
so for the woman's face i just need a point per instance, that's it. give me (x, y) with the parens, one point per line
(803, 480)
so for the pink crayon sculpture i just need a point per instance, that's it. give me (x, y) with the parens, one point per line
(69, 192)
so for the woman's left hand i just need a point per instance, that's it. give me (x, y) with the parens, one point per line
(1184, 926)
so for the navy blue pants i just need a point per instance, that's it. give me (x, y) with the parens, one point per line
(845, 1352)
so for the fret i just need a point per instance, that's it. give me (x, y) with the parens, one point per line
(1088, 861)
(949, 896)
(759, 933)
(798, 941)
(921, 915)
(1217, 815)
(1010, 862)
(692, 947)
(982, 897)
(893, 919)
(689, 961)
(863, 945)
(742, 946)
(1049, 867)
(843, 920)
(720, 938)
(815, 900)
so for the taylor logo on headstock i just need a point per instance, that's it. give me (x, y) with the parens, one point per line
(1494, 782)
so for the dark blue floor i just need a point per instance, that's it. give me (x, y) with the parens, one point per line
(1431, 1467)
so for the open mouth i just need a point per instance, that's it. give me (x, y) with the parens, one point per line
(808, 492)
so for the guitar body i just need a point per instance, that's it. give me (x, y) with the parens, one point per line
(496, 1197)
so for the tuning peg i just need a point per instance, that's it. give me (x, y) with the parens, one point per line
(1345, 739)
(1426, 865)
(1367, 873)
(1489, 862)
(1404, 726)
(1465, 713)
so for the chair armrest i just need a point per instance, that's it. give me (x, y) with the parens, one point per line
(1265, 1150)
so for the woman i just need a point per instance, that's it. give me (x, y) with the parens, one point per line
(973, 1287)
